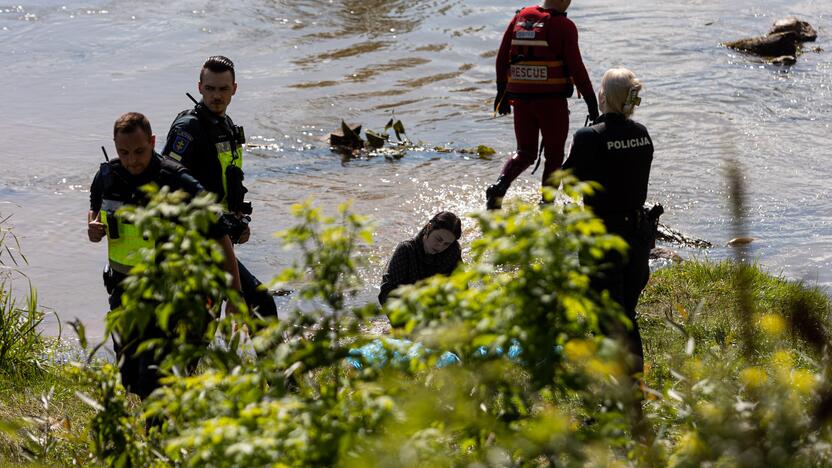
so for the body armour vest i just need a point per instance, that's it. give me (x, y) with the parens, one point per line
(227, 140)
(124, 239)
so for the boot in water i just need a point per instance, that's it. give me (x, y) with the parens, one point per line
(494, 194)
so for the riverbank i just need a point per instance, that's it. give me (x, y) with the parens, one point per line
(45, 422)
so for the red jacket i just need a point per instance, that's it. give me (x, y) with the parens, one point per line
(562, 37)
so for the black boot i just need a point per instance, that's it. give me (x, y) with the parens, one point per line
(494, 194)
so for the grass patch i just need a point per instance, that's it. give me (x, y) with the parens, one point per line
(42, 419)
(43, 422)
(702, 299)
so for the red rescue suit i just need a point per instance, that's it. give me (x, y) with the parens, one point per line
(539, 60)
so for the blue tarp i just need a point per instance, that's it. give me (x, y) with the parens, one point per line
(375, 353)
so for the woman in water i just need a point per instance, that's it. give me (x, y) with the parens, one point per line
(435, 250)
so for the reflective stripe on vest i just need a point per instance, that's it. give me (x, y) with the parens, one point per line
(523, 42)
(123, 253)
(228, 157)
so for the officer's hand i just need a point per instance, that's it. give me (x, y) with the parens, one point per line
(504, 107)
(593, 112)
(96, 231)
(244, 236)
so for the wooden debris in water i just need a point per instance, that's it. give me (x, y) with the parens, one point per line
(348, 138)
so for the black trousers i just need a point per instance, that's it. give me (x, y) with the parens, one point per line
(256, 295)
(139, 371)
(625, 276)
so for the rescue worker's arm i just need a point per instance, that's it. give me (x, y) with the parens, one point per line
(95, 228)
(396, 273)
(230, 266)
(575, 65)
(504, 54)
(501, 105)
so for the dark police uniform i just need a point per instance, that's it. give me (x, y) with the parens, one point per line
(617, 153)
(112, 188)
(211, 148)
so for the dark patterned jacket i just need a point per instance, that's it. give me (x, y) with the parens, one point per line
(410, 264)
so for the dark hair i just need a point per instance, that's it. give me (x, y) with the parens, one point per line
(218, 64)
(444, 220)
(129, 122)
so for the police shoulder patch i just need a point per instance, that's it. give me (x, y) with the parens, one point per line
(180, 144)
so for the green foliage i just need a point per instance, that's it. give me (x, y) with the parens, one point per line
(22, 350)
(179, 285)
(296, 405)
(721, 404)
(740, 381)
(39, 422)
(116, 433)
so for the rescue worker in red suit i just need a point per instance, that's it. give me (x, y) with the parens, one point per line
(538, 66)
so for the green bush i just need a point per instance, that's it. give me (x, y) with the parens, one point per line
(733, 382)
(22, 350)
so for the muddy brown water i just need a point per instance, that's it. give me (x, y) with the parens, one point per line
(71, 68)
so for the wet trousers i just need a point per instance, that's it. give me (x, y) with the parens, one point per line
(548, 117)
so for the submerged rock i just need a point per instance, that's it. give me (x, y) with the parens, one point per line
(786, 60)
(783, 41)
(740, 241)
(805, 32)
(773, 45)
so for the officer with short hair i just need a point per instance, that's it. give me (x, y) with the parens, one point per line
(205, 140)
(617, 153)
(118, 183)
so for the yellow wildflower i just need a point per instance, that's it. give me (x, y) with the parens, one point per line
(753, 377)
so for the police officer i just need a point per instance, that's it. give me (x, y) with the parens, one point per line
(537, 64)
(118, 183)
(617, 153)
(205, 140)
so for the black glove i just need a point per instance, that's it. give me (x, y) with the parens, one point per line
(501, 104)
(233, 226)
(592, 106)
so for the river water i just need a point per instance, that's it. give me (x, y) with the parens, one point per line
(69, 69)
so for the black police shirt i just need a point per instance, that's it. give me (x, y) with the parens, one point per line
(617, 153)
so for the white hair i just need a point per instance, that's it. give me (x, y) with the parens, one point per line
(619, 92)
